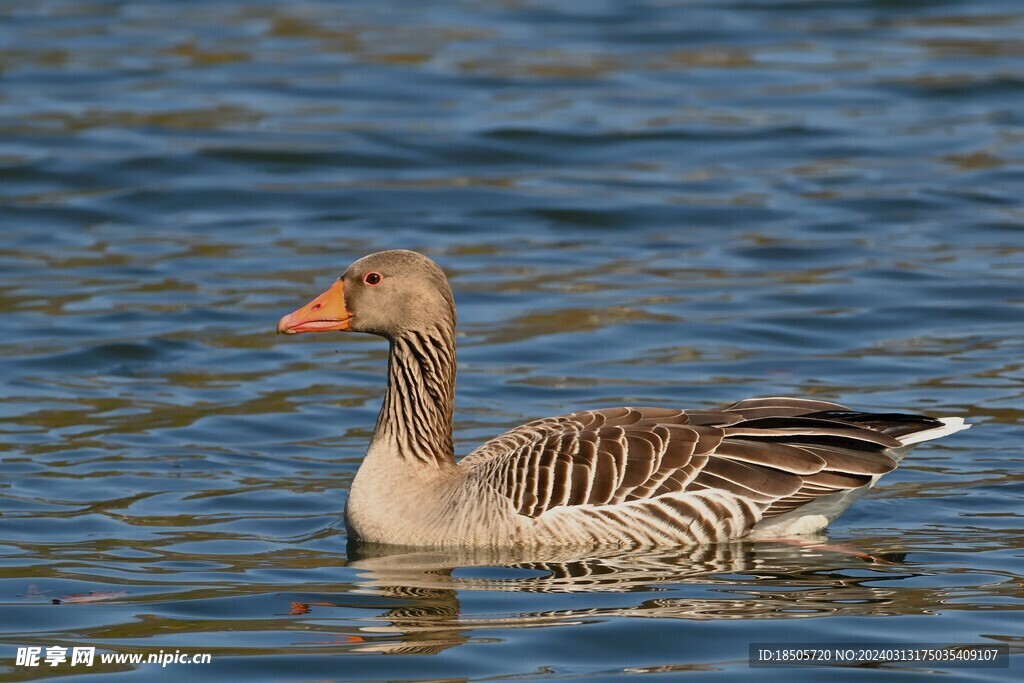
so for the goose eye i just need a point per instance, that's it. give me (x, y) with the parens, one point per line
(373, 278)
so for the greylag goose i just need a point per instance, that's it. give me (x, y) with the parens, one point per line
(760, 468)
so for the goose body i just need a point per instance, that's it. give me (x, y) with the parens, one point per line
(641, 476)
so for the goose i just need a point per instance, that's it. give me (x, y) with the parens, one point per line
(626, 476)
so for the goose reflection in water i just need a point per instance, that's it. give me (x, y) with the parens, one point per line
(767, 580)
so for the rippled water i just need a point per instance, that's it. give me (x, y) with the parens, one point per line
(638, 203)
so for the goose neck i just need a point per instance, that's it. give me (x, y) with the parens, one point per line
(416, 417)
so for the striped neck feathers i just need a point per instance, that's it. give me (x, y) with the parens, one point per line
(416, 416)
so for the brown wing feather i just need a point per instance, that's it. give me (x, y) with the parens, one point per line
(777, 453)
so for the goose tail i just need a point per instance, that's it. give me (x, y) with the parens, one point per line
(950, 425)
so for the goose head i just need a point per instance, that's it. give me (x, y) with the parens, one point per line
(388, 293)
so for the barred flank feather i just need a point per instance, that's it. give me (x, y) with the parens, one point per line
(649, 476)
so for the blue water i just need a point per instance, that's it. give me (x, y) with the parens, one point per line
(678, 204)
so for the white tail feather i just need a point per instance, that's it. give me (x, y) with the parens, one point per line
(950, 425)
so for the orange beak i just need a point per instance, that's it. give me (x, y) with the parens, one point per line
(325, 313)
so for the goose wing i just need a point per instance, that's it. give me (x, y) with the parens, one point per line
(773, 454)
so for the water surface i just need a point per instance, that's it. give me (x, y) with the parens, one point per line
(658, 203)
